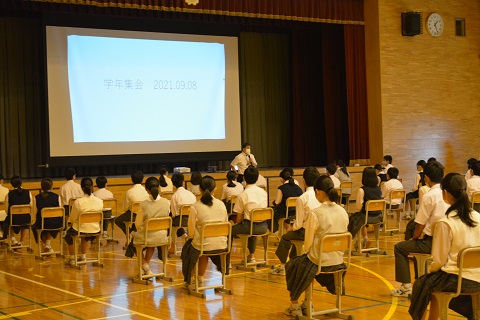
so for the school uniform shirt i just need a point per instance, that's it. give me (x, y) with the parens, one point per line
(228, 192)
(3, 194)
(137, 193)
(103, 194)
(201, 213)
(252, 197)
(169, 186)
(451, 236)
(336, 181)
(261, 181)
(328, 218)
(180, 197)
(69, 190)
(342, 176)
(305, 204)
(392, 184)
(388, 166)
(242, 161)
(432, 208)
(421, 192)
(160, 207)
(416, 182)
(473, 185)
(85, 204)
(195, 189)
(468, 175)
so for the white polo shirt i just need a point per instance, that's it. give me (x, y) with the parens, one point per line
(432, 208)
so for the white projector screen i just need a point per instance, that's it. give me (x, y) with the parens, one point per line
(113, 92)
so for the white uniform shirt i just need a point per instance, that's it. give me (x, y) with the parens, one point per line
(84, 204)
(169, 186)
(157, 208)
(473, 185)
(392, 184)
(242, 161)
(228, 192)
(305, 204)
(416, 182)
(103, 194)
(3, 194)
(180, 197)
(336, 181)
(468, 175)
(195, 189)
(388, 166)
(432, 208)
(252, 197)
(137, 193)
(69, 190)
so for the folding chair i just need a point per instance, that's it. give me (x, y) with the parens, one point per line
(346, 185)
(213, 229)
(467, 258)
(233, 199)
(136, 208)
(331, 243)
(421, 263)
(370, 206)
(414, 202)
(88, 217)
(290, 203)
(51, 213)
(16, 210)
(400, 211)
(167, 195)
(184, 210)
(475, 199)
(111, 204)
(154, 224)
(256, 215)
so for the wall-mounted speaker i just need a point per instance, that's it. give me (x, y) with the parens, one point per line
(411, 24)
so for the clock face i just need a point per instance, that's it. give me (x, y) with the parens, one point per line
(435, 25)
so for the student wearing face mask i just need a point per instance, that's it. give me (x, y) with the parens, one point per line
(242, 161)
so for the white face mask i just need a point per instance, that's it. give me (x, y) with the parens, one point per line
(247, 151)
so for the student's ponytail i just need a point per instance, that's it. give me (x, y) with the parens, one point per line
(163, 172)
(207, 198)
(456, 185)
(287, 176)
(207, 185)
(325, 184)
(231, 175)
(151, 185)
(87, 184)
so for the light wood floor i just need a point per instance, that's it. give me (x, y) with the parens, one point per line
(35, 289)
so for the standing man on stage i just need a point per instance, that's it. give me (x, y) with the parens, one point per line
(242, 161)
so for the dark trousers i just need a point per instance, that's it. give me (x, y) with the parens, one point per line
(402, 249)
(120, 221)
(244, 228)
(285, 244)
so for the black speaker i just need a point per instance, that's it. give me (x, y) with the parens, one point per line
(411, 23)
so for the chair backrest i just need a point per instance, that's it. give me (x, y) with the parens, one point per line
(347, 185)
(397, 194)
(475, 198)
(158, 224)
(70, 203)
(467, 258)
(375, 205)
(90, 217)
(184, 210)
(167, 194)
(53, 212)
(136, 207)
(233, 199)
(291, 202)
(216, 229)
(339, 192)
(110, 204)
(331, 242)
(259, 215)
(21, 209)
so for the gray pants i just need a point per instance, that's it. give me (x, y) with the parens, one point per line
(402, 249)
(244, 228)
(285, 244)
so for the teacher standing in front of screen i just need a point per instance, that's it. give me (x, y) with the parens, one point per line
(242, 161)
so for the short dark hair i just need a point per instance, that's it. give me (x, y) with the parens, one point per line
(137, 177)
(471, 162)
(246, 144)
(369, 177)
(310, 174)
(431, 159)
(392, 173)
(378, 167)
(331, 168)
(178, 179)
(434, 170)
(421, 163)
(196, 178)
(70, 173)
(16, 181)
(101, 181)
(250, 175)
(476, 168)
(388, 158)
(46, 184)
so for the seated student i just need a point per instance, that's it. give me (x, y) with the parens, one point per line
(165, 181)
(432, 208)
(417, 184)
(458, 229)
(387, 163)
(331, 170)
(287, 189)
(391, 184)
(208, 209)
(137, 193)
(469, 172)
(194, 186)
(231, 188)
(86, 203)
(180, 197)
(70, 189)
(46, 199)
(154, 207)
(381, 177)
(473, 184)
(251, 198)
(305, 204)
(369, 191)
(343, 175)
(3, 194)
(103, 193)
(300, 271)
(290, 170)
(17, 196)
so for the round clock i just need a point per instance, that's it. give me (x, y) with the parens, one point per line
(435, 25)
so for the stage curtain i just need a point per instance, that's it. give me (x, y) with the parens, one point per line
(21, 71)
(265, 96)
(356, 93)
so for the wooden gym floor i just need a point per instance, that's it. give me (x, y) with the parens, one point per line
(49, 289)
